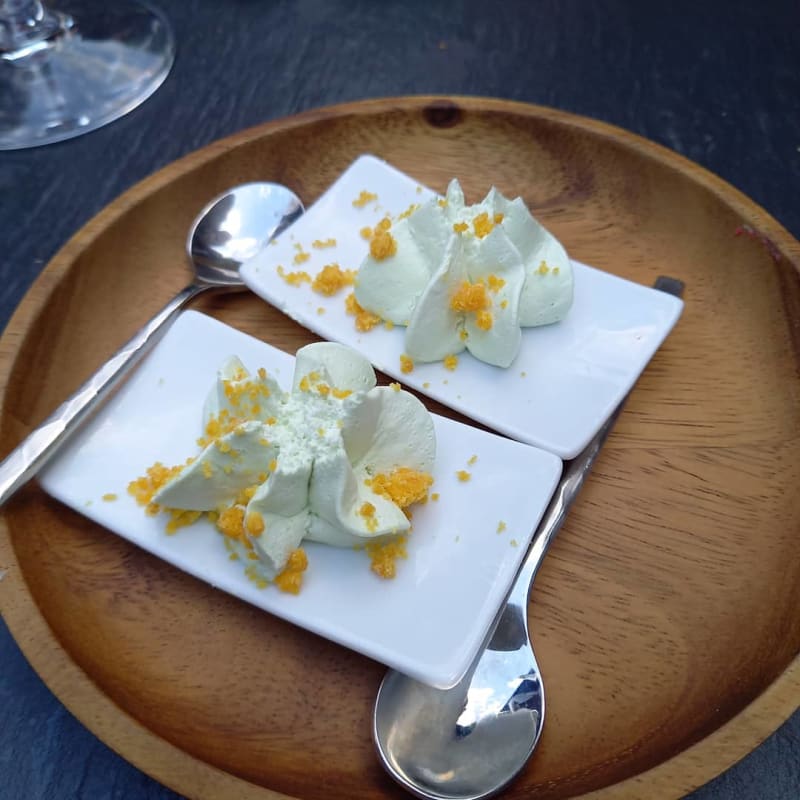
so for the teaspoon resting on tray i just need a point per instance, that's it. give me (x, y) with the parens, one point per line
(470, 741)
(230, 229)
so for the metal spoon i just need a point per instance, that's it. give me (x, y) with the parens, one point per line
(229, 230)
(470, 741)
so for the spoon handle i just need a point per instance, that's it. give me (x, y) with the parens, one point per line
(46, 440)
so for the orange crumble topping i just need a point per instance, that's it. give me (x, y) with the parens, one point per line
(460, 227)
(143, 489)
(291, 578)
(543, 268)
(395, 386)
(450, 362)
(319, 244)
(255, 524)
(463, 475)
(383, 556)
(294, 278)
(495, 283)
(109, 497)
(365, 320)
(178, 518)
(406, 364)
(331, 279)
(366, 232)
(472, 460)
(231, 524)
(383, 244)
(501, 526)
(301, 258)
(484, 320)
(364, 198)
(483, 226)
(435, 496)
(409, 211)
(367, 511)
(470, 297)
(403, 486)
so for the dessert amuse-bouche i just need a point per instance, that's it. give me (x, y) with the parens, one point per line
(336, 460)
(465, 277)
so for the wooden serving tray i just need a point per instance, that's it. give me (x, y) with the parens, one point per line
(665, 619)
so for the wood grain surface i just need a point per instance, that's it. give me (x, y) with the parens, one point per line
(665, 617)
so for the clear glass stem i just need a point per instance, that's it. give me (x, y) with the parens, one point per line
(26, 25)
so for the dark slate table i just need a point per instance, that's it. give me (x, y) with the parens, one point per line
(716, 81)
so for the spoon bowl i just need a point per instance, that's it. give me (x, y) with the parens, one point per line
(229, 230)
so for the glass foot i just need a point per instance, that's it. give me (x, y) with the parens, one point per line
(79, 67)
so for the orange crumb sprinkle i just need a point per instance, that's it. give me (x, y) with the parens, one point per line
(463, 475)
(442, 202)
(450, 362)
(366, 232)
(543, 268)
(501, 526)
(294, 278)
(460, 227)
(109, 497)
(384, 555)
(364, 198)
(255, 523)
(482, 225)
(484, 320)
(331, 279)
(231, 524)
(496, 283)
(395, 386)
(463, 335)
(367, 511)
(470, 297)
(365, 320)
(179, 518)
(406, 364)
(472, 460)
(319, 244)
(301, 258)
(382, 245)
(291, 578)
(409, 211)
(144, 488)
(435, 497)
(403, 486)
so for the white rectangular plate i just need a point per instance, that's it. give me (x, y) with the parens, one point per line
(567, 378)
(428, 622)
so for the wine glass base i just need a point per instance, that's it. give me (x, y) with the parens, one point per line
(100, 62)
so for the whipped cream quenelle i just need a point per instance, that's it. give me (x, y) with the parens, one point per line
(465, 277)
(335, 460)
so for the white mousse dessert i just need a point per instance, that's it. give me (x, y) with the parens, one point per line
(335, 460)
(465, 277)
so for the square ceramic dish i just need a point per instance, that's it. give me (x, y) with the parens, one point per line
(567, 378)
(428, 622)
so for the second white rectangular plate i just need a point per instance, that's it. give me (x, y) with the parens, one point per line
(567, 378)
(428, 622)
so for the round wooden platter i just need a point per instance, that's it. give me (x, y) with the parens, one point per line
(665, 618)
